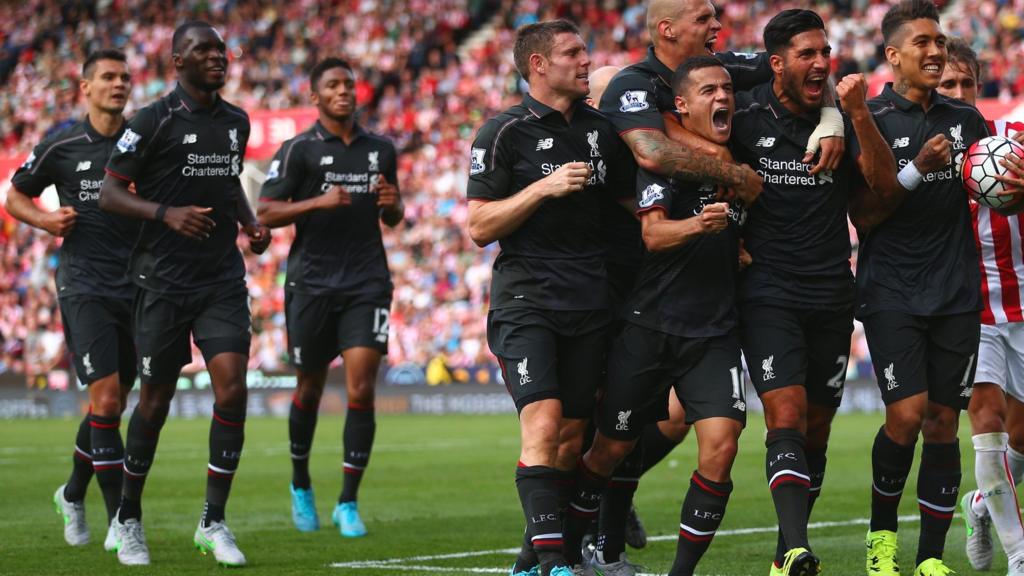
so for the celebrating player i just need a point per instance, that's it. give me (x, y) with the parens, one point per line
(184, 153)
(334, 181)
(796, 298)
(918, 288)
(537, 174)
(94, 292)
(996, 404)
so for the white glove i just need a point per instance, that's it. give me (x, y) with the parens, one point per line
(831, 124)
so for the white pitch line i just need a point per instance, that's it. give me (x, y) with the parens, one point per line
(399, 563)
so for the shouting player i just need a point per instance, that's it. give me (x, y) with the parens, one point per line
(94, 292)
(184, 153)
(918, 288)
(336, 182)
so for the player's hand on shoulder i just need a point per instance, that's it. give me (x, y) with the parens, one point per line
(714, 218)
(335, 197)
(61, 221)
(259, 237)
(190, 221)
(568, 178)
(934, 155)
(387, 194)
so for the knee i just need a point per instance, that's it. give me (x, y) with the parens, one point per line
(903, 427)
(360, 389)
(940, 428)
(568, 452)
(232, 395)
(715, 461)
(606, 454)
(986, 419)
(107, 406)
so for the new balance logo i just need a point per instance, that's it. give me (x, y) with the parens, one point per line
(765, 142)
(87, 364)
(326, 160)
(83, 166)
(190, 139)
(901, 142)
(890, 378)
(766, 368)
(524, 373)
(623, 424)
(545, 143)
(146, 361)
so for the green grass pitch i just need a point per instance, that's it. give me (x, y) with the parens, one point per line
(436, 486)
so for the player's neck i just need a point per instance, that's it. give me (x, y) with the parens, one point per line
(784, 99)
(563, 102)
(204, 98)
(106, 123)
(669, 58)
(915, 94)
(344, 128)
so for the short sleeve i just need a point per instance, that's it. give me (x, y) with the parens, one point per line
(285, 175)
(630, 102)
(128, 159)
(32, 177)
(490, 163)
(746, 69)
(653, 192)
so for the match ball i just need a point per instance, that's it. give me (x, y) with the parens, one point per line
(981, 165)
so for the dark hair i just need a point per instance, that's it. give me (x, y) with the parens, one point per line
(786, 24)
(538, 38)
(89, 66)
(681, 78)
(960, 53)
(904, 12)
(323, 66)
(179, 34)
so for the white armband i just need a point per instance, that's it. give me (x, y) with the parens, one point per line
(910, 177)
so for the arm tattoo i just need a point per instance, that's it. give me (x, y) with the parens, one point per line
(682, 163)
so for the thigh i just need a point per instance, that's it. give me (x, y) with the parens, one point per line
(638, 382)
(92, 331)
(993, 355)
(898, 344)
(774, 346)
(1014, 334)
(363, 321)
(713, 386)
(312, 330)
(525, 345)
(162, 324)
(223, 322)
(952, 350)
(827, 335)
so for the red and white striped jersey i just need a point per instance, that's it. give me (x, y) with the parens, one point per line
(1001, 248)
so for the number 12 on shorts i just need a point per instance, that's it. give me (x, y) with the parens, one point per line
(381, 318)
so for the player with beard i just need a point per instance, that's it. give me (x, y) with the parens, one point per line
(538, 173)
(918, 288)
(639, 98)
(796, 298)
(94, 293)
(184, 154)
(996, 408)
(335, 182)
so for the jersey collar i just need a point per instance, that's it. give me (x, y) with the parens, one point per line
(905, 104)
(191, 105)
(95, 136)
(658, 66)
(325, 135)
(545, 112)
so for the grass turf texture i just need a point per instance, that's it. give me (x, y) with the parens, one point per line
(435, 485)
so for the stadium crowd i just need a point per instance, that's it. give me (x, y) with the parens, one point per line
(415, 86)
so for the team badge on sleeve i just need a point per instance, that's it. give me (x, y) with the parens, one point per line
(128, 141)
(633, 101)
(650, 195)
(476, 161)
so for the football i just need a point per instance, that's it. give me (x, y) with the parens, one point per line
(981, 165)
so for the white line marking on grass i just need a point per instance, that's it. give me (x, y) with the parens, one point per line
(399, 564)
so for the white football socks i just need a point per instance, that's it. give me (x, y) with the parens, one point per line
(996, 486)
